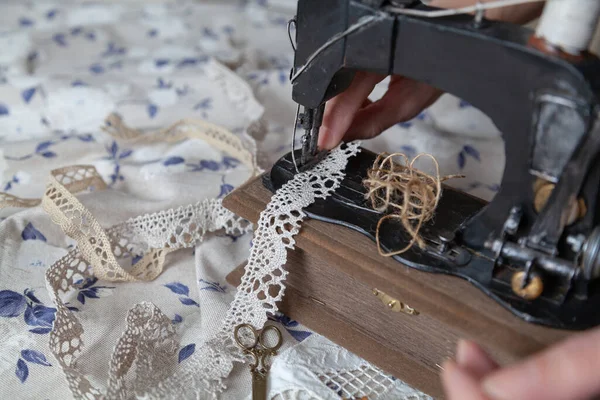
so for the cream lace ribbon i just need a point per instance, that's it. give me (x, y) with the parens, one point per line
(74, 179)
(78, 178)
(243, 148)
(147, 348)
(93, 242)
(149, 343)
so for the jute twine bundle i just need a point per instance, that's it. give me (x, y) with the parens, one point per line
(408, 194)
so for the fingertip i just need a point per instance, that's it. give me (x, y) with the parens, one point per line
(327, 139)
(565, 370)
(462, 350)
(449, 368)
(458, 384)
(491, 390)
(471, 357)
(341, 110)
(323, 133)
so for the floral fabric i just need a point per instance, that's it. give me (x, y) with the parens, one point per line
(64, 66)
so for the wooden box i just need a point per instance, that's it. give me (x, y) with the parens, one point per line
(339, 286)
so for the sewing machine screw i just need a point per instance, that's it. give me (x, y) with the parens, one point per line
(529, 291)
(445, 237)
(513, 221)
(576, 242)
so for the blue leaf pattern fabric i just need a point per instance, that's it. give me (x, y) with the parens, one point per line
(30, 294)
(22, 371)
(25, 22)
(4, 109)
(40, 331)
(152, 110)
(186, 352)
(39, 316)
(60, 40)
(471, 151)
(299, 335)
(41, 147)
(12, 304)
(96, 68)
(178, 288)
(30, 233)
(291, 326)
(225, 190)
(461, 160)
(173, 161)
(35, 357)
(408, 150)
(212, 286)
(156, 63)
(188, 302)
(467, 151)
(27, 94)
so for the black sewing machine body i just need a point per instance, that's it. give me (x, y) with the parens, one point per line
(545, 105)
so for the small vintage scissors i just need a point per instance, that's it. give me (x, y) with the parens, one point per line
(261, 351)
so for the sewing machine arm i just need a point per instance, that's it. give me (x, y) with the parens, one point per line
(543, 102)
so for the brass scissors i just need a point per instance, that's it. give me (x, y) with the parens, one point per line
(260, 351)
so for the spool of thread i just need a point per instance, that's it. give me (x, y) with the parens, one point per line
(569, 24)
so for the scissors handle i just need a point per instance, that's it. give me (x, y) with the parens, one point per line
(262, 338)
(260, 350)
(239, 340)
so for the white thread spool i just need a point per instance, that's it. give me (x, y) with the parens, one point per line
(569, 24)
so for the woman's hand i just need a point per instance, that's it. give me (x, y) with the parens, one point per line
(569, 370)
(351, 115)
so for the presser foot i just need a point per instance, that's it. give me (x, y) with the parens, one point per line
(534, 297)
(312, 161)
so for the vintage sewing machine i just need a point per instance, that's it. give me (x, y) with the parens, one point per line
(534, 249)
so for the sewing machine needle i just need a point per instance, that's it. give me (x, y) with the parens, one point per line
(314, 134)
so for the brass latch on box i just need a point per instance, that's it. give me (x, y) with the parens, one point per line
(394, 304)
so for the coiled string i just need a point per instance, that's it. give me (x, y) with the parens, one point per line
(406, 193)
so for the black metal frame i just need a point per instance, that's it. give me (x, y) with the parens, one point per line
(525, 91)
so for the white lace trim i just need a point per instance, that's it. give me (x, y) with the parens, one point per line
(295, 394)
(364, 380)
(332, 372)
(149, 340)
(149, 337)
(262, 284)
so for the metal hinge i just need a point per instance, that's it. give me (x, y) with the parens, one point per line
(394, 304)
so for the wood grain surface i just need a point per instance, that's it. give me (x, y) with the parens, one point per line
(333, 272)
